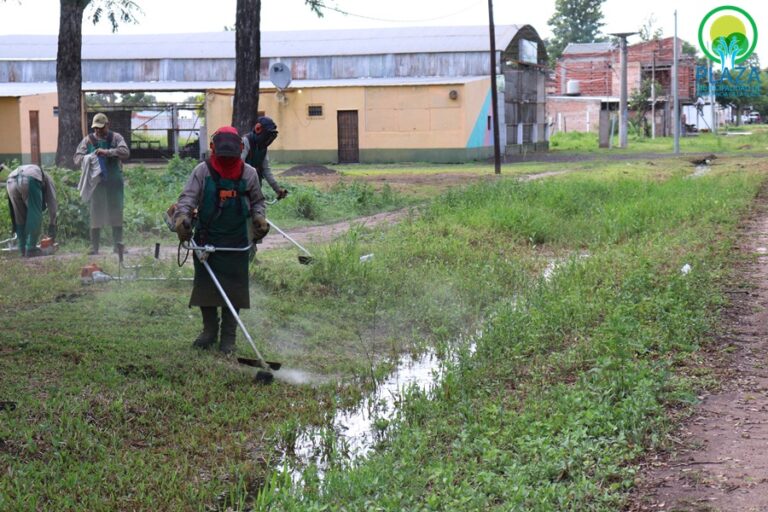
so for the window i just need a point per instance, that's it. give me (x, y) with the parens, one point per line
(55, 111)
(315, 111)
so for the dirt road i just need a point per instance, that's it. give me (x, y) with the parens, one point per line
(722, 459)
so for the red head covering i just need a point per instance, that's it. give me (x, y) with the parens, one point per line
(226, 145)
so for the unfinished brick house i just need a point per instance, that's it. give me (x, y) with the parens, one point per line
(587, 81)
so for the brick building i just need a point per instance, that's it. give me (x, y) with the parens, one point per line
(587, 80)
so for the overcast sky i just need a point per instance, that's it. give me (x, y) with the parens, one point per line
(177, 16)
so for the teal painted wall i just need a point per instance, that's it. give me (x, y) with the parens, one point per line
(480, 135)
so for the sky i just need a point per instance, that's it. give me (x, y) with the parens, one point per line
(184, 16)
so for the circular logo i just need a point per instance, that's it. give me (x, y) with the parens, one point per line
(727, 35)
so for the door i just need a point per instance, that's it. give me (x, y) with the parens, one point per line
(34, 136)
(349, 145)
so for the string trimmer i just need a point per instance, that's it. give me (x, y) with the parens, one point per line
(264, 374)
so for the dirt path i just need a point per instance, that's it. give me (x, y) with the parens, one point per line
(307, 236)
(722, 462)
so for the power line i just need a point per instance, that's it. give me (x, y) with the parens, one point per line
(363, 16)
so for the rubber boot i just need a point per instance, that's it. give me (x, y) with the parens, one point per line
(117, 238)
(95, 235)
(207, 338)
(228, 332)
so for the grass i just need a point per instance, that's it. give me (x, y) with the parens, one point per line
(568, 384)
(755, 142)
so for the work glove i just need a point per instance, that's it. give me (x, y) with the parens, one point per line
(184, 229)
(260, 227)
(281, 194)
(52, 231)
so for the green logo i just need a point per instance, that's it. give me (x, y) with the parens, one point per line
(727, 36)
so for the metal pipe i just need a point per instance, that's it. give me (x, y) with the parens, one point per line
(676, 101)
(294, 242)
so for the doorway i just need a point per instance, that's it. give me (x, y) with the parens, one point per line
(349, 144)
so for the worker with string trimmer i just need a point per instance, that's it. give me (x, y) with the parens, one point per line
(226, 193)
(255, 144)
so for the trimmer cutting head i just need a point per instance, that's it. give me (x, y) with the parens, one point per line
(264, 377)
(306, 260)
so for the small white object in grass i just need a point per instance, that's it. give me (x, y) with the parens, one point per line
(366, 257)
(686, 268)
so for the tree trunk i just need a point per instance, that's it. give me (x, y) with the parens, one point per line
(247, 65)
(69, 78)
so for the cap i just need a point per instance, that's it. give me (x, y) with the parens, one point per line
(99, 121)
(265, 124)
(226, 142)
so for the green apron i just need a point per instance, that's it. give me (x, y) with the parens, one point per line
(107, 199)
(255, 159)
(29, 232)
(222, 224)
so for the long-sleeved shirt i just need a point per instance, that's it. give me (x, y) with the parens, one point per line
(192, 195)
(266, 170)
(118, 148)
(32, 171)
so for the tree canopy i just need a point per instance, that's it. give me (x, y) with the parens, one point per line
(575, 21)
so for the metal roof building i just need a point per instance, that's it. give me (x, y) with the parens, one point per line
(399, 64)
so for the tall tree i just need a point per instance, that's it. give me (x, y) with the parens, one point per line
(574, 21)
(248, 61)
(649, 31)
(69, 70)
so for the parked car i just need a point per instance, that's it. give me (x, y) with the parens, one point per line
(750, 118)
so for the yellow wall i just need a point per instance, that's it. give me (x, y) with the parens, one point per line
(389, 117)
(49, 125)
(10, 134)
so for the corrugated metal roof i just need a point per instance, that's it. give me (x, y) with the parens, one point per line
(577, 48)
(15, 89)
(221, 45)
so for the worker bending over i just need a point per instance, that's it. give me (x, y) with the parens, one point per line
(30, 191)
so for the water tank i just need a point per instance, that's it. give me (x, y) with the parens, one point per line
(573, 88)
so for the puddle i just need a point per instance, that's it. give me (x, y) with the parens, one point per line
(355, 432)
(556, 263)
(701, 170)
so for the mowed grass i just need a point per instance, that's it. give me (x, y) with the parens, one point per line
(738, 140)
(568, 384)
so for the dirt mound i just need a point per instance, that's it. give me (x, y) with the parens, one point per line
(303, 170)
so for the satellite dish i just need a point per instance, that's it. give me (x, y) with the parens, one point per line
(280, 75)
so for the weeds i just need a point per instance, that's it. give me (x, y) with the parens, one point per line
(567, 386)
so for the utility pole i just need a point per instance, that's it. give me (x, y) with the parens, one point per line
(653, 96)
(494, 93)
(623, 113)
(675, 85)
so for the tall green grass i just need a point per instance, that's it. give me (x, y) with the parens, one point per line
(756, 141)
(570, 380)
(567, 386)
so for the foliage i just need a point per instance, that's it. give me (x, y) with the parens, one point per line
(574, 21)
(562, 394)
(111, 99)
(754, 142)
(550, 409)
(640, 103)
(648, 31)
(115, 11)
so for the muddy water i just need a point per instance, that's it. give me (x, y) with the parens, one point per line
(354, 433)
(701, 170)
